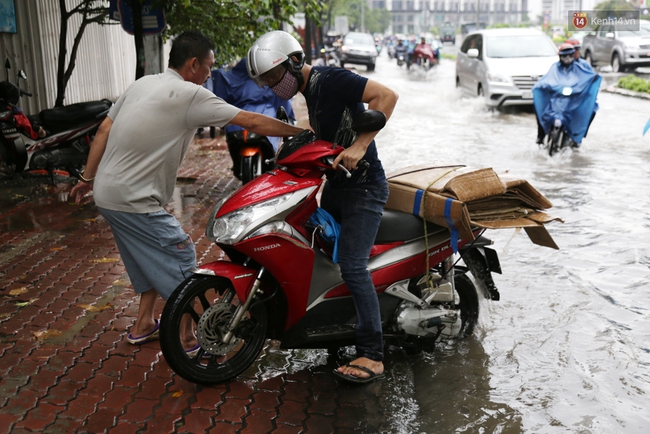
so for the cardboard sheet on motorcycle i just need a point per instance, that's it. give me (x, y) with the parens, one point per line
(462, 197)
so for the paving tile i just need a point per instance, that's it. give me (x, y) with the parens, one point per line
(274, 384)
(97, 386)
(79, 409)
(133, 376)
(153, 388)
(62, 392)
(119, 397)
(225, 428)
(323, 403)
(232, 410)
(239, 390)
(197, 421)
(38, 418)
(209, 398)
(43, 380)
(126, 428)
(100, 421)
(320, 424)
(148, 355)
(283, 428)
(292, 413)
(162, 424)
(80, 373)
(259, 421)
(114, 365)
(294, 391)
(139, 410)
(23, 401)
(265, 400)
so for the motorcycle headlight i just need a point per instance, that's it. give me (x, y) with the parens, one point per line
(232, 227)
(497, 78)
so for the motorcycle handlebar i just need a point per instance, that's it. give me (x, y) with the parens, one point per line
(362, 164)
(24, 92)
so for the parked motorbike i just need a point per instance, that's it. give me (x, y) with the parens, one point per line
(565, 104)
(65, 132)
(281, 282)
(252, 154)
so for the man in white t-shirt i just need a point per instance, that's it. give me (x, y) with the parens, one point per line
(132, 167)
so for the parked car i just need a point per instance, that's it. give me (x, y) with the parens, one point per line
(503, 65)
(623, 49)
(358, 48)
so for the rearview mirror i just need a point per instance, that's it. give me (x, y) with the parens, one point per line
(472, 53)
(370, 120)
(609, 35)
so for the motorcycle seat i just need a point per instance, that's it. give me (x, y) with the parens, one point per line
(64, 118)
(401, 226)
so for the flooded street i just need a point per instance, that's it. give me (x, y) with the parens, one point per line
(566, 349)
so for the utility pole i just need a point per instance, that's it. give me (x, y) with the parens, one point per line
(363, 18)
(478, 13)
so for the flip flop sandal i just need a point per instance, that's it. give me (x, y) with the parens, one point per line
(151, 336)
(359, 380)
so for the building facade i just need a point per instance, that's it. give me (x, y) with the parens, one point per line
(419, 16)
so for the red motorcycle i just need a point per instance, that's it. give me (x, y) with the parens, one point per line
(65, 132)
(281, 282)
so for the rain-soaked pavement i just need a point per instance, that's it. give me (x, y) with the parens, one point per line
(66, 307)
(564, 351)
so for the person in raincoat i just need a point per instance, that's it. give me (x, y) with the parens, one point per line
(568, 92)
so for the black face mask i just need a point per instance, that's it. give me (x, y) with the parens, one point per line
(567, 59)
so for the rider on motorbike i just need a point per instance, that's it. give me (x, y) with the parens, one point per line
(334, 96)
(423, 51)
(566, 93)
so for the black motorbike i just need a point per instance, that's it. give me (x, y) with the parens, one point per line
(57, 138)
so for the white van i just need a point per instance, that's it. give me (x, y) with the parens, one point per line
(503, 65)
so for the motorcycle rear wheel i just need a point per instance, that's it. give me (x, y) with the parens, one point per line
(211, 301)
(467, 303)
(251, 167)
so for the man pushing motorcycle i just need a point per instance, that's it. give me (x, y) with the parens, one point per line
(334, 96)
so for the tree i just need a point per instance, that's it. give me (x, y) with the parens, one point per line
(233, 25)
(91, 11)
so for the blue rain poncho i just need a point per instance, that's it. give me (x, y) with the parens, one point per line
(237, 88)
(576, 110)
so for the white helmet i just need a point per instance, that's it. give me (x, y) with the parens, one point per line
(273, 49)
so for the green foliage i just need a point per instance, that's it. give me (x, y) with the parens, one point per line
(233, 25)
(634, 83)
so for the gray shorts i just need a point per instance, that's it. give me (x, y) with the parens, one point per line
(157, 253)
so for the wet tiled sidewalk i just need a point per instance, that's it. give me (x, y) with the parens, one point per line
(66, 307)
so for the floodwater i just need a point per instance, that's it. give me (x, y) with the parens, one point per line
(567, 348)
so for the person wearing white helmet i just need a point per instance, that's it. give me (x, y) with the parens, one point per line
(334, 96)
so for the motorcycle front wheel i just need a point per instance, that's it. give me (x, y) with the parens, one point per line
(210, 302)
(554, 141)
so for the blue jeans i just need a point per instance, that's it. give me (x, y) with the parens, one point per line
(358, 209)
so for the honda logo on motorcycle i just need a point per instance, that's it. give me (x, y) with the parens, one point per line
(263, 248)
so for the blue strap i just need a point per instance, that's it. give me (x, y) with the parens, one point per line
(417, 202)
(450, 223)
(647, 127)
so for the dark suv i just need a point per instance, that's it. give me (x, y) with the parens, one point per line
(358, 48)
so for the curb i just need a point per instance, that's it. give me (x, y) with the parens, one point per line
(626, 92)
